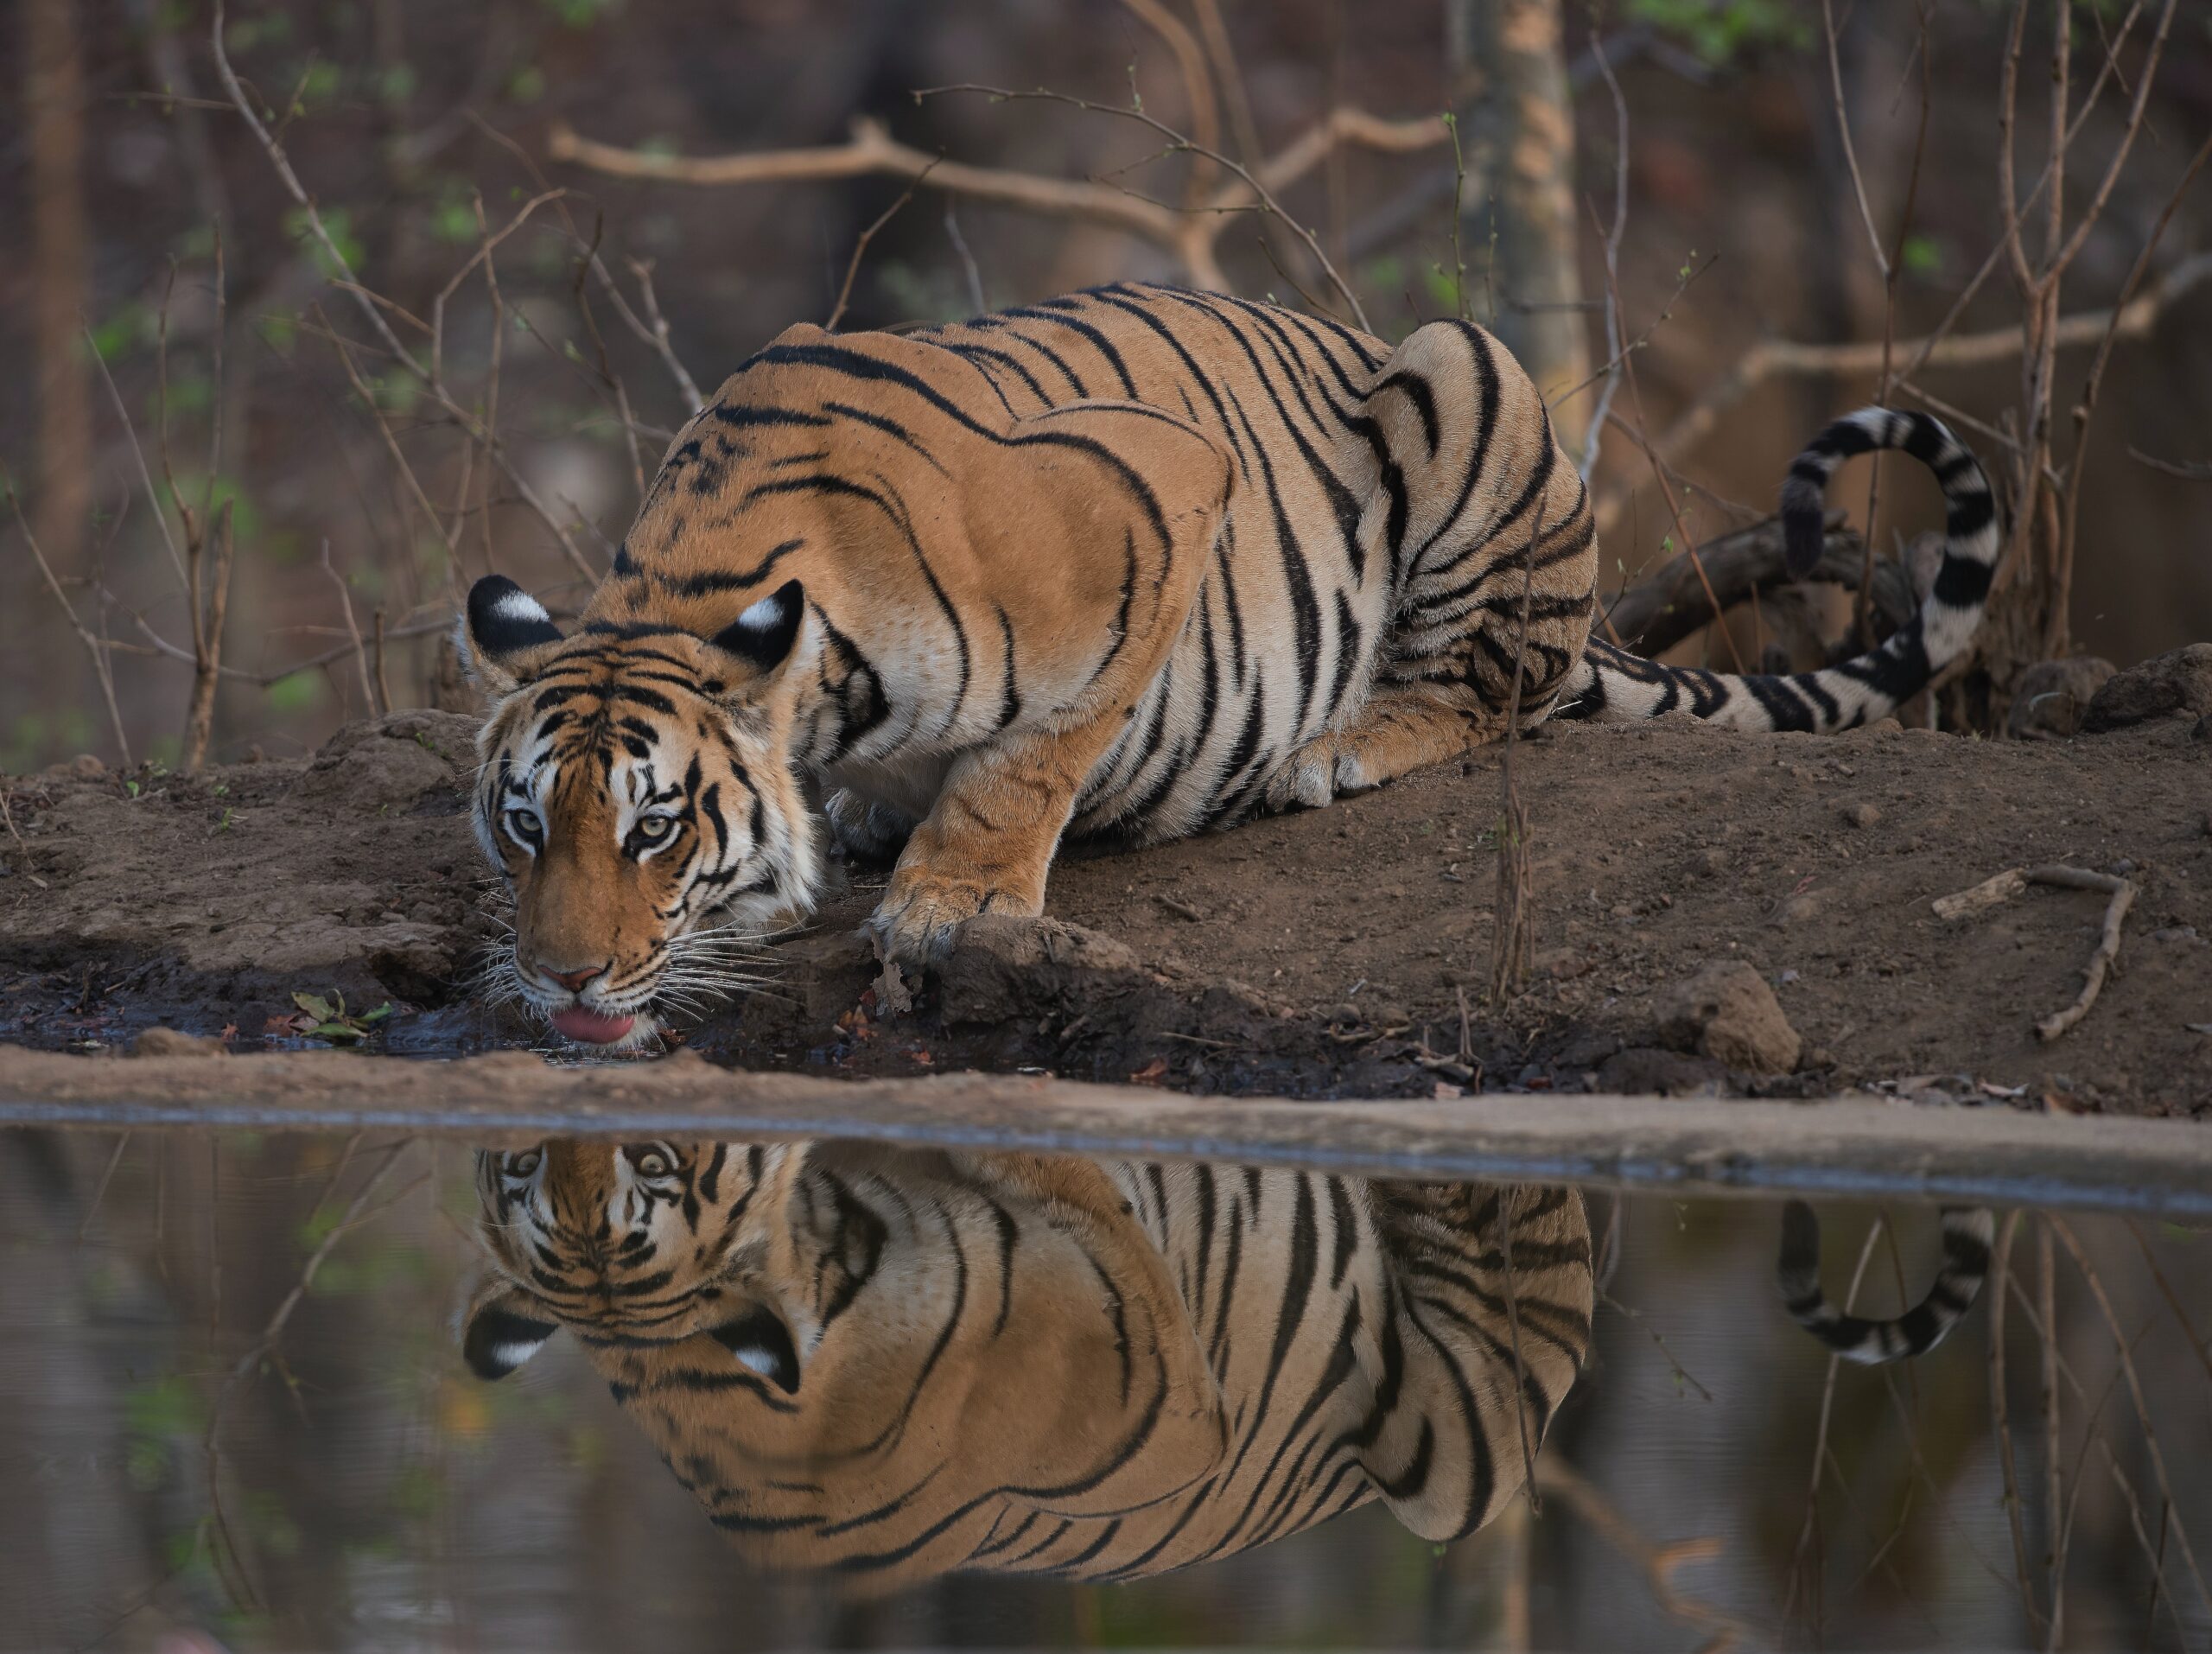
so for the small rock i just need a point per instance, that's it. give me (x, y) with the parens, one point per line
(1862, 814)
(1561, 964)
(2052, 695)
(1728, 1012)
(1798, 909)
(2174, 934)
(2120, 868)
(172, 1042)
(1711, 860)
(2203, 730)
(2179, 681)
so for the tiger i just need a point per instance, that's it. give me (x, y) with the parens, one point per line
(893, 1364)
(1127, 564)
(1967, 1233)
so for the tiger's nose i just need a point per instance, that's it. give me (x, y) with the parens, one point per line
(574, 980)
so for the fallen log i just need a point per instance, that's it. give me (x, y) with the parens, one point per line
(1848, 1149)
(1669, 604)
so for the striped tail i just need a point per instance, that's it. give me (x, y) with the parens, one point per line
(1610, 685)
(1967, 1234)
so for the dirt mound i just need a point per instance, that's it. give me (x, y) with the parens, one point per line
(1337, 951)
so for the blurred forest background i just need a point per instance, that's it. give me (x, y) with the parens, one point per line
(311, 331)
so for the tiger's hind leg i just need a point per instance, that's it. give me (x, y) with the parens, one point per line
(1398, 731)
(1478, 510)
(868, 830)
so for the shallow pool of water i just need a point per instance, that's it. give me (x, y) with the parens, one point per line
(853, 1396)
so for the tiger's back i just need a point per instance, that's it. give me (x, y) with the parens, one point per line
(1367, 492)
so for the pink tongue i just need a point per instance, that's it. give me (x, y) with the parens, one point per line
(591, 1027)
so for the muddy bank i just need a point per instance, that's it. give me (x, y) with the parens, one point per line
(1323, 953)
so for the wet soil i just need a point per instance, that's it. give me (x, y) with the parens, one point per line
(1323, 953)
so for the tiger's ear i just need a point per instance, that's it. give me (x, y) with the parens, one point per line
(503, 637)
(763, 636)
(501, 1328)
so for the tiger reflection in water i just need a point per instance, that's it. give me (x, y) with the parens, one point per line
(897, 1364)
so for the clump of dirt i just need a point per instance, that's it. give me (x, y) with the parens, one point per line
(1338, 951)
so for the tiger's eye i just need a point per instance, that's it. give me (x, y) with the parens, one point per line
(650, 1162)
(656, 827)
(525, 822)
(523, 1164)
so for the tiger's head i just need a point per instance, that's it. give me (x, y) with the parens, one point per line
(628, 1245)
(855, 1356)
(636, 792)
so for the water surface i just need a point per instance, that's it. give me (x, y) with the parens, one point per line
(236, 1410)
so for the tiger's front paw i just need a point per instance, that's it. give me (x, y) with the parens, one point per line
(914, 923)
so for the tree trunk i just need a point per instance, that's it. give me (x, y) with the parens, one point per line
(54, 102)
(1519, 220)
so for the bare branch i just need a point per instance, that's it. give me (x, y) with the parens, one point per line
(2187, 470)
(871, 149)
(1769, 359)
(1191, 236)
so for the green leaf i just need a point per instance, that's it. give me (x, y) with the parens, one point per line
(315, 1006)
(298, 692)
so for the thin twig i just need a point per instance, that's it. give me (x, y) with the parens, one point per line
(860, 247)
(1513, 1335)
(1659, 1563)
(1616, 359)
(2122, 893)
(352, 631)
(1809, 1532)
(94, 646)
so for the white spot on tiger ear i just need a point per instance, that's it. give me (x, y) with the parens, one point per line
(764, 616)
(514, 1354)
(756, 1358)
(520, 606)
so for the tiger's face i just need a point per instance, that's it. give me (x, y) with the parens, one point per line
(636, 793)
(635, 1244)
